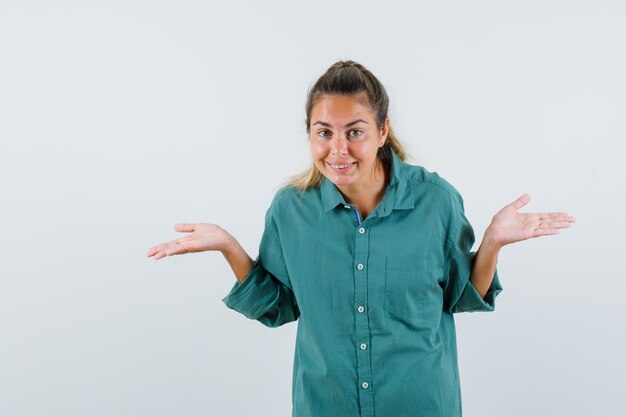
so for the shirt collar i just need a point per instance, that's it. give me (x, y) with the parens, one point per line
(398, 195)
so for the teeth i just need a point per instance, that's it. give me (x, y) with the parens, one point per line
(340, 166)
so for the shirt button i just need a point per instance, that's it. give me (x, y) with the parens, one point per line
(360, 309)
(359, 266)
(362, 230)
(346, 207)
(363, 346)
(365, 385)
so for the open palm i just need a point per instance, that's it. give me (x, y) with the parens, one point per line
(203, 237)
(509, 226)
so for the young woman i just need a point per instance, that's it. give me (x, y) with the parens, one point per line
(372, 257)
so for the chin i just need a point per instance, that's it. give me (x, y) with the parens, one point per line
(340, 181)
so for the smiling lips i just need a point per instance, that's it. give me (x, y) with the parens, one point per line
(341, 167)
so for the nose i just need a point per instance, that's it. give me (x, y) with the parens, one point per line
(339, 145)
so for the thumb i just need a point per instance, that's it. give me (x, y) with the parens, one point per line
(185, 227)
(521, 202)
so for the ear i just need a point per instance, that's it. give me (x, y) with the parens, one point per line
(384, 132)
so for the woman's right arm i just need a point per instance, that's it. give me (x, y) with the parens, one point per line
(259, 294)
(207, 237)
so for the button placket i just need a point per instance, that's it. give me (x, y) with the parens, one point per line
(361, 285)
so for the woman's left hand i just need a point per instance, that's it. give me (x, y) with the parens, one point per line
(509, 226)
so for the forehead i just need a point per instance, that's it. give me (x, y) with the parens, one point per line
(339, 108)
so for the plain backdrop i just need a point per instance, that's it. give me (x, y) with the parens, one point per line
(119, 119)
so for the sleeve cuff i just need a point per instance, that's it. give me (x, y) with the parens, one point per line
(471, 300)
(239, 295)
(257, 296)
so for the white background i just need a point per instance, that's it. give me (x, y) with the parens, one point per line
(119, 119)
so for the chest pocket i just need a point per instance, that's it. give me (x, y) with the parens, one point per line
(412, 293)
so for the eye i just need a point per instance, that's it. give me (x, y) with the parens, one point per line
(323, 133)
(354, 133)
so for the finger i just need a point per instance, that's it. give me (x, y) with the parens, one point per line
(178, 250)
(155, 249)
(565, 216)
(545, 232)
(559, 218)
(554, 225)
(163, 254)
(162, 246)
(549, 218)
(181, 246)
(156, 254)
(562, 218)
(185, 227)
(159, 255)
(521, 202)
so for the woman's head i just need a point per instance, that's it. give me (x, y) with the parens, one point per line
(345, 140)
(343, 80)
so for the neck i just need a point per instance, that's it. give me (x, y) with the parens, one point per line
(367, 196)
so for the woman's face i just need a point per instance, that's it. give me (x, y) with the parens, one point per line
(344, 139)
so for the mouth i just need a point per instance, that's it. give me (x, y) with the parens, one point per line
(341, 167)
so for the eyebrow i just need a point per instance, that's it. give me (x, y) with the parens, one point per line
(348, 125)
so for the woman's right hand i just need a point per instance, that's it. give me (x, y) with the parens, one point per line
(203, 237)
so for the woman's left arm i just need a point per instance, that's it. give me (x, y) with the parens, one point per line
(509, 226)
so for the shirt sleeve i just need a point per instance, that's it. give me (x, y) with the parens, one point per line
(266, 294)
(460, 295)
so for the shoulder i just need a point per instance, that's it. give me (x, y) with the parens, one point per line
(290, 200)
(430, 184)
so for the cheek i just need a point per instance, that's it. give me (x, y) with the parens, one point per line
(318, 150)
(371, 152)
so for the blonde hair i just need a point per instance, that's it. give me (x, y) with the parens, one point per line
(351, 79)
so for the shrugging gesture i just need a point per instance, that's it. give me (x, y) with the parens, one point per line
(356, 283)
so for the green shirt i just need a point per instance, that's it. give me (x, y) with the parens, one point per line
(374, 298)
